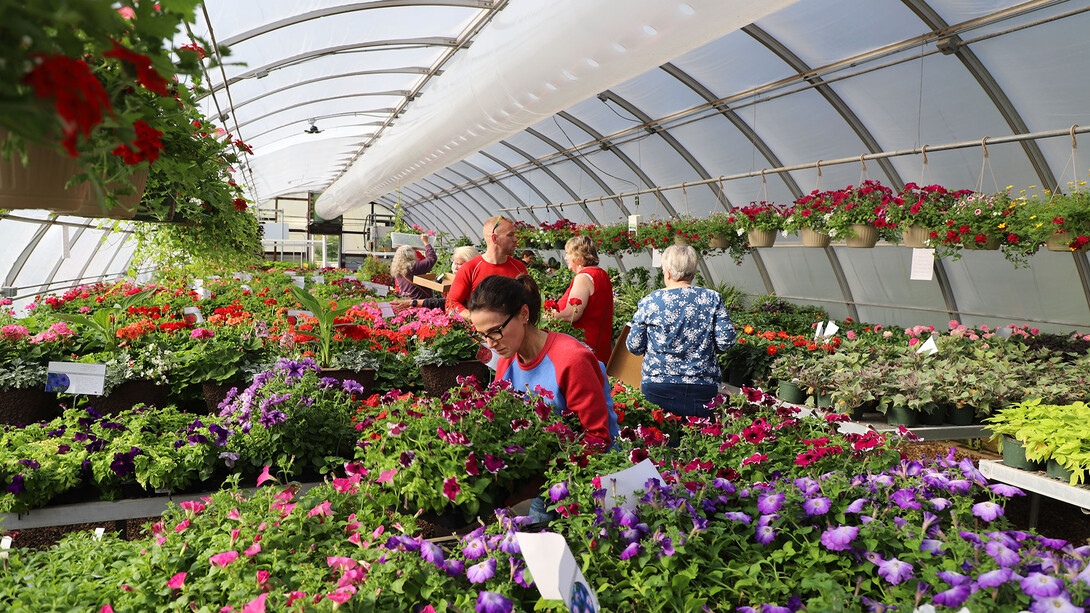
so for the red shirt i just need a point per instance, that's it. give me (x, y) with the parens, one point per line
(597, 319)
(470, 275)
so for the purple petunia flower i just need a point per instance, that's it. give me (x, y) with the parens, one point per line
(765, 534)
(431, 552)
(625, 517)
(474, 549)
(1051, 543)
(1042, 586)
(518, 572)
(905, 498)
(987, 510)
(951, 577)
(770, 503)
(954, 596)
(774, 608)
(738, 516)
(491, 602)
(558, 492)
(971, 537)
(807, 486)
(816, 506)
(1003, 555)
(17, 486)
(481, 572)
(895, 571)
(454, 567)
(856, 506)
(994, 578)
(328, 383)
(63, 449)
(632, 550)
(1054, 604)
(32, 464)
(960, 486)
(1006, 490)
(839, 538)
(352, 387)
(510, 544)
(933, 546)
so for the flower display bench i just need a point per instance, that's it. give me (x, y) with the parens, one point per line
(1037, 484)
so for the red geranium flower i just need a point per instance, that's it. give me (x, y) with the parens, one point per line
(79, 97)
(145, 73)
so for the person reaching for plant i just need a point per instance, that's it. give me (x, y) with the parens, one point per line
(406, 265)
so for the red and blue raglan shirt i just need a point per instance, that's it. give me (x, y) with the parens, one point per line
(568, 369)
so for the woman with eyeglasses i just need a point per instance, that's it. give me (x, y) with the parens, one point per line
(505, 313)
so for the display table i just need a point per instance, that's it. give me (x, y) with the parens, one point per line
(1037, 484)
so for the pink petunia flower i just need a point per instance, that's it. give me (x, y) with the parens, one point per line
(386, 476)
(193, 506)
(251, 551)
(264, 476)
(182, 525)
(340, 562)
(177, 582)
(234, 514)
(322, 510)
(451, 488)
(223, 559)
(257, 605)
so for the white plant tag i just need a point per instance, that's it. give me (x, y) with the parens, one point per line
(98, 533)
(386, 309)
(379, 289)
(76, 378)
(299, 282)
(923, 265)
(623, 484)
(831, 328)
(195, 312)
(928, 347)
(819, 330)
(246, 287)
(1004, 332)
(656, 258)
(633, 224)
(318, 279)
(5, 545)
(556, 575)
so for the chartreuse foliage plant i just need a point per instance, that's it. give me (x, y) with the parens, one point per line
(1049, 432)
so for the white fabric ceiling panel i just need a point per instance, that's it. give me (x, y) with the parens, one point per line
(657, 94)
(70, 267)
(361, 86)
(983, 282)
(747, 276)
(957, 11)
(369, 107)
(880, 276)
(804, 272)
(299, 168)
(732, 64)
(816, 30)
(480, 161)
(664, 166)
(42, 260)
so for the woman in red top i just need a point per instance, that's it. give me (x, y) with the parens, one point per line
(588, 303)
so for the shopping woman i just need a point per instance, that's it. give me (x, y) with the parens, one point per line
(406, 265)
(588, 303)
(460, 256)
(679, 330)
(505, 313)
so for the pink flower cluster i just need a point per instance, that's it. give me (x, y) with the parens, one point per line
(14, 332)
(58, 331)
(201, 333)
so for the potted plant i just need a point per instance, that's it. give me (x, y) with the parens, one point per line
(916, 210)
(446, 355)
(1061, 221)
(759, 221)
(972, 222)
(858, 214)
(1058, 434)
(809, 218)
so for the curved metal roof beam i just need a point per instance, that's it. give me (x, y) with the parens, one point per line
(743, 127)
(24, 255)
(826, 91)
(106, 269)
(481, 187)
(518, 175)
(621, 155)
(582, 166)
(373, 45)
(395, 93)
(611, 96)
(451, 194)
(462, 190)
(366, 124)
(440, 210)
(430, 215)
(348, 8)
(552, 175)
(988, 83)
(502, 186)
(380, 111)
(471, 222)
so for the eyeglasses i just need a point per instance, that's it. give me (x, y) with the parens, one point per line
(496, 334)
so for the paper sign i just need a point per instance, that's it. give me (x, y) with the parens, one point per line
(98, 533)
(624, 484)
(318, 279)
(1004, 332)
(76, 378)
(556, 575)
(299, 282)
(831, 328)
(245, 287)
(633, 224)
(404, 238)
(295, 313)
(923, 265)
(195, 312)
(5, 545)
(819, 330)
(386, 309)
(656, 258)
(378, 288)
(929, 347)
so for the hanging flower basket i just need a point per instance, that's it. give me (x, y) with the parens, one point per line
(990, 243)
(761, 238)
(915, 236)
(719, 241)
(811, 238)
(40, 184)
(1061, 241)
(126, 205)
(866, 236)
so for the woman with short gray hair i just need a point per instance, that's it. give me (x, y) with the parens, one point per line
(679, 330)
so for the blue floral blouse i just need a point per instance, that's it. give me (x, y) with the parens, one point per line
(678, 332)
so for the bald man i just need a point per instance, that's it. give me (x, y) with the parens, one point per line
(498, 259)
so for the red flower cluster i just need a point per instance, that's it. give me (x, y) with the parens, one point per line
(146, 146)
(145, 73)
(240, 204)
(78, 96)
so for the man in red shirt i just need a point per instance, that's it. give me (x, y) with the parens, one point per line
(500, 242)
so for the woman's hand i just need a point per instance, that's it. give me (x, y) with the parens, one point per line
(425, 238)
(399, 305)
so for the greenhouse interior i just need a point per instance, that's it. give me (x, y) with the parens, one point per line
(515, 305)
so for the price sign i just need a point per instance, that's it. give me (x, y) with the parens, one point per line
(76, 378)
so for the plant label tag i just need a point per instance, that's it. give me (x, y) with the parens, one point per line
(831, 328)
(1004, 332)
(819, 330)
(299, 282)
(76, 378)
(557, 576)
(494, 358)
(621, 486)
(246, 288)
(242, 276)
(197, 283)
(195, 312)
(379, 289)
(5, 545)
(294, 314)
(318, 279)
(99, 532)
(928, 347)
(923, 265)
(386, 309)
(656, 258)
(633, 224)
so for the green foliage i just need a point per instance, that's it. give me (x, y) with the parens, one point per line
(1056, 432)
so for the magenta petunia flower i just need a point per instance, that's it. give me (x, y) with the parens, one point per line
(182, 525)
(257, 605)
(177, 582)
(491, 602)
(481, 572)
(451, 488)
(558, 492)
(386, 476)
(342, 595)
(223, 559)
(252, 550)
(264, 476)
(987, 510)
(1042, 586)
(839, 538)
(322, 510)
(340, 562)
(472, 467)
